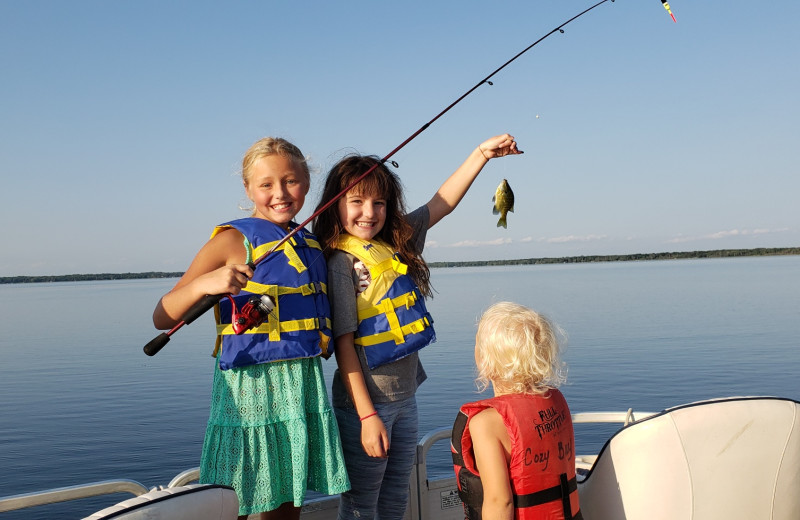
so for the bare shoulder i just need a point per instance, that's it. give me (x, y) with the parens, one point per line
(228, 244)
(486, 424)
(489, 432)
(225, 248)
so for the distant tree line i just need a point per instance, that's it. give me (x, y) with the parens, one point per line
(87, 277)
(719, 253)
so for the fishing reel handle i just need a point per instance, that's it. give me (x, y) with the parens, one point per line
(195, 311)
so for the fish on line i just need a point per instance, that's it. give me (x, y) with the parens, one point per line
(503, 202)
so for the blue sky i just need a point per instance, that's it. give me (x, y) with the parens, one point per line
(122, 124)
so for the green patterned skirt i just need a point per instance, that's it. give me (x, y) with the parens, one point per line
(272, 435)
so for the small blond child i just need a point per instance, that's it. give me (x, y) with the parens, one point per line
(514, 453)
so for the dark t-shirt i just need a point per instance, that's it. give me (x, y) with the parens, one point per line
(390, 382)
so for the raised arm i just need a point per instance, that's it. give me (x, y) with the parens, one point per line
(218, 268)
(455, 187)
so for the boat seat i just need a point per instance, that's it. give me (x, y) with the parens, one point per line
(727, 458)
(192, 502)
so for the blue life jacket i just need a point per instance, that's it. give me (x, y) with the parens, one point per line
(295, 276)
(393, 321)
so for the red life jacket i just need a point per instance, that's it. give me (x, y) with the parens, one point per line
(542, 466)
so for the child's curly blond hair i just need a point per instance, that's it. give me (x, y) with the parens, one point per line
(517, 350)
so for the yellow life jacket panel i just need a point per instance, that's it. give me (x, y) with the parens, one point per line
(393, 321)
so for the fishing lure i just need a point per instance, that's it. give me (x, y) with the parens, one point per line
(666, 6)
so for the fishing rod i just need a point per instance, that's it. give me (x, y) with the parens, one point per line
(253, 309)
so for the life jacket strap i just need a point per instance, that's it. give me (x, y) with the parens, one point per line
(390, 264)
(558, 492)
(386, 305)
(272, 327)
(324, 343)
(459, 425)
(565, 505)
(397, 333)
(288, 249)
(294, 258)
(398, 266)
(276, 291)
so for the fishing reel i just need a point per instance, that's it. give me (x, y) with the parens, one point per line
(252, 314)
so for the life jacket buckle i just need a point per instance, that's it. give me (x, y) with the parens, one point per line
(299, 241)
(397, 264)
(313, 288)
(413, 296)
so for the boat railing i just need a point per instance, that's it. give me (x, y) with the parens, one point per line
(435, 498)
(585, 462)
(429, 497)
(186, 477)
(65, 494)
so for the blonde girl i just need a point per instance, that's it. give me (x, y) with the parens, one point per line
(271, 433)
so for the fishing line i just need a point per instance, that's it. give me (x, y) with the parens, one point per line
(208, 301)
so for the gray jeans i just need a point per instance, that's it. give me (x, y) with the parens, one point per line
(379, 486)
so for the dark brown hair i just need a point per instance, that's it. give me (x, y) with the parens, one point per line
(396, 231)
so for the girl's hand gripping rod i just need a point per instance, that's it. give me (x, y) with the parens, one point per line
(252, 314)
(208, 301)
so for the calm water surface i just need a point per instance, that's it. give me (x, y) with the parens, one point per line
(82, 403)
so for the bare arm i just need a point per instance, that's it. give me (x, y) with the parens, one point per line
(455, 187)
(374, 438)
(492, 456)
(218, 268)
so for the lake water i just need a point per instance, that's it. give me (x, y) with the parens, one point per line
(82, 403)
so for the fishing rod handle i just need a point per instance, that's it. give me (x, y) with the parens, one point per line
(201, 307)
(156, 344)
(194, 312)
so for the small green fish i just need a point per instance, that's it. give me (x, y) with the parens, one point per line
(503, 202)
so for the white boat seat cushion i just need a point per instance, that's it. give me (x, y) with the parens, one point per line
(195, 502)
(730, 458)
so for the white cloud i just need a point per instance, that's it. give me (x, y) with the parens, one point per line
(726, 234)
(479, 243)
(507, 241)
(573, 238)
